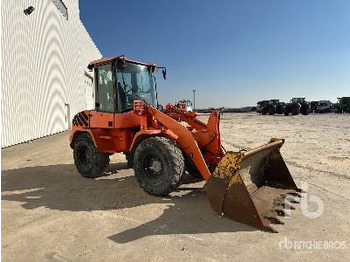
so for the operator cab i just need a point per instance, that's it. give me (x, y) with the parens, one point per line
(119, 81)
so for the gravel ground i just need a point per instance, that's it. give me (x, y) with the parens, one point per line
(50, 212)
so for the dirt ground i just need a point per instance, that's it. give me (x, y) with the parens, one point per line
(51, 213)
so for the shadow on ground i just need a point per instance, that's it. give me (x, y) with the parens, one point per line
(60, 187)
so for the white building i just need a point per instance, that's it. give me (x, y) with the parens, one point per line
(44, 79)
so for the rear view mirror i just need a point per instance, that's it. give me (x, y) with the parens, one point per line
(164, 73)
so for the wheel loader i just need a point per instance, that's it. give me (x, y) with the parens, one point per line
(247, 186)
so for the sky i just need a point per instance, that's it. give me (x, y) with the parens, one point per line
(234, 53)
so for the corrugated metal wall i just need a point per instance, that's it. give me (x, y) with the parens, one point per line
(44, 57)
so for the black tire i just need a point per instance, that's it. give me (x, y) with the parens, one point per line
(305, 110)
(162, 154)
(89, 161)
(280, 109)
(271, 110)
(295, 109)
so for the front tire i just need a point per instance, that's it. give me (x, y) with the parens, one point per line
(306, 110)
(159, 165)
(295, 110)
(90, 162)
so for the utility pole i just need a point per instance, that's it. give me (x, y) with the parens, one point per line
(194, 99)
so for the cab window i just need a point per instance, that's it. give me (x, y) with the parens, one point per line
(105, 95)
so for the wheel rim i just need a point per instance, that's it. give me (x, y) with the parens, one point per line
(153, 167)
(84, 155)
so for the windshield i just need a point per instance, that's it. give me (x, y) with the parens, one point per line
(135, 82)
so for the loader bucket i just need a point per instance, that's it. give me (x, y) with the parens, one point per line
(250, 186)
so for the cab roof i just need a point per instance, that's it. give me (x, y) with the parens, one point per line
(107, 60)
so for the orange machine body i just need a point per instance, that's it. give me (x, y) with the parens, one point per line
(122, 132)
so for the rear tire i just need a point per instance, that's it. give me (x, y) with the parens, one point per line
(159, 165)
(90, 162)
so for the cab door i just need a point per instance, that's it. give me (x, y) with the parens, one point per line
(105, 98)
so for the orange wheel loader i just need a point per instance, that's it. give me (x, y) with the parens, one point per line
(246, 186)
